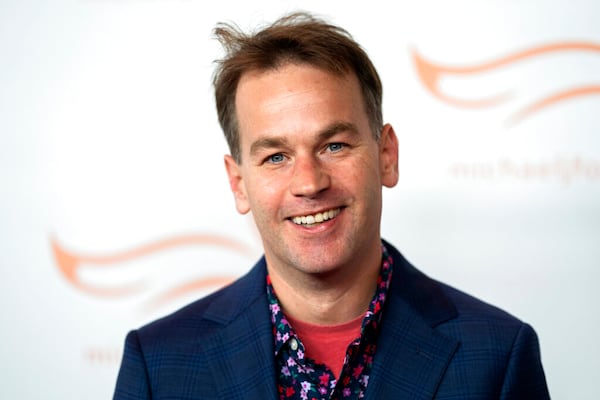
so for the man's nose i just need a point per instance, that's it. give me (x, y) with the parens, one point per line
(309, 177)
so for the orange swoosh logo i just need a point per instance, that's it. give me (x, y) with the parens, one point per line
(431, 74)
(71, 264)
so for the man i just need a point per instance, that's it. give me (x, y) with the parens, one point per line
(331, 311)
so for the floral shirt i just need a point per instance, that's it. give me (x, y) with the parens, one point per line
(304, 379)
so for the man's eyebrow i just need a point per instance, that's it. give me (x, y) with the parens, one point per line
(336, 128)
(323, 135)
(267, 143)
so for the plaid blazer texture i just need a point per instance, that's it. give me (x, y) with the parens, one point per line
(436, 343)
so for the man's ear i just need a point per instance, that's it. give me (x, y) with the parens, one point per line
(236, 183)
(388, 156)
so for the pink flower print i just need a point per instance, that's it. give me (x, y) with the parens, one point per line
(305, 386)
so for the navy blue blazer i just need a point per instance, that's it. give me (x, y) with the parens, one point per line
(436, 343)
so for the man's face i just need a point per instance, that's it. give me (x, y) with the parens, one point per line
(311, 170)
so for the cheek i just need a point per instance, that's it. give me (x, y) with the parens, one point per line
(365, 170)
(265, 192)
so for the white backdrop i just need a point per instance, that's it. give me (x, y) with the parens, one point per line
(115, 207)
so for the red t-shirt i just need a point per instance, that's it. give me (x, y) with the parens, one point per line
(327, 344)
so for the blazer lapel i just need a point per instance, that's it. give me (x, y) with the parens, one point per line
(243, 363)
(411, 356)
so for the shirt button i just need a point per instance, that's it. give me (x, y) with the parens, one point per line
(293, 344)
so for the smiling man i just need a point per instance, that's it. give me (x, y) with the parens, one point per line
(331, 311)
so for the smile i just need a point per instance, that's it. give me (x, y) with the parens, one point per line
(316, 218)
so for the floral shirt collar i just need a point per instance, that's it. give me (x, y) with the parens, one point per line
(304, 379)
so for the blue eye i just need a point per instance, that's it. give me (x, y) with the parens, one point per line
(276, 158)
(335, 147)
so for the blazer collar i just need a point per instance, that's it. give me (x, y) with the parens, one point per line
(411, 356)
(243, 365)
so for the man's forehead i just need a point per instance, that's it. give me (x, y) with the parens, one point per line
(269, 87)
(271, 104)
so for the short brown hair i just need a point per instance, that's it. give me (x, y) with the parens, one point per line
(295, 38)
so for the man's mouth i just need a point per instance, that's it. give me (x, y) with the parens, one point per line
(316, 218)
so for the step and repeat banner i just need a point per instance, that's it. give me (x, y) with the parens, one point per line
(115, 208)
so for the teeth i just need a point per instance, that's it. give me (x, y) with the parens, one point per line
(316, 218)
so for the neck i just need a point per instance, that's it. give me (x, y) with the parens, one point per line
(327, 299)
